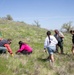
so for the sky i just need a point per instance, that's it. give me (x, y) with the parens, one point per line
(50, 14)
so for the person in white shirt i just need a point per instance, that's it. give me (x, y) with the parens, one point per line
(50, 45)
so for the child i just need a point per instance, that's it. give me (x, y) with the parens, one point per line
(72, 32)
(24, 48)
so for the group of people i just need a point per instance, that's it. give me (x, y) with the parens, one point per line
(24, 48)
(52, 42)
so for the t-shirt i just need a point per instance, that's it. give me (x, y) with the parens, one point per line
(53, 41)
(59, 37)
(25, 47)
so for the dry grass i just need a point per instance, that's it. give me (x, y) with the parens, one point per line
(35, 64)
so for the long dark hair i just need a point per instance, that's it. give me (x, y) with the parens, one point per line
(20, 43)
(48, 34)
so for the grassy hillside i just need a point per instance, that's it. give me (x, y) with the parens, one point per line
(33, 64)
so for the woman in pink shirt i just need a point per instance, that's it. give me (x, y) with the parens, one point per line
(24, 48)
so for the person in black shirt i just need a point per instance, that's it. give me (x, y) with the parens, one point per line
(72, 32)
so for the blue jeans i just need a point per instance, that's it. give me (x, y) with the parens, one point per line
(51, 49)
(2, 50)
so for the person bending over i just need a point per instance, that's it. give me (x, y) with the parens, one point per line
(5, 45)
(24, 48)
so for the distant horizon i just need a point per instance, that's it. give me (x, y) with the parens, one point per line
(34, 23)
(50, 14)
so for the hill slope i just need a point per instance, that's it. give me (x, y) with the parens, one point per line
(33, 64)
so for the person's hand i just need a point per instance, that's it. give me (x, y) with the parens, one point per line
(16, 52)
(45, 50)
(12, 55)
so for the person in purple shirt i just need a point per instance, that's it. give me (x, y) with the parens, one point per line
(24, 48)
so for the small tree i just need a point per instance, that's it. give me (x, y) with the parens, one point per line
(67, 26)
(37, 23)
(9, 17)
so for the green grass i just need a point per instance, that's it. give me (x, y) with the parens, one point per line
(34, 64)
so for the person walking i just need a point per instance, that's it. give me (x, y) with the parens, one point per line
(59, 36)
(50, 45)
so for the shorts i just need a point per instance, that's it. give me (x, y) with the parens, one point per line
(51, 49)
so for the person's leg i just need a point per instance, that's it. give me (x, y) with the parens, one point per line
(2, 50)
(24, 52)
(73, 49)
(51, 57)
(57, 48)
(51, 51)
(61, 47)
(29, 52)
